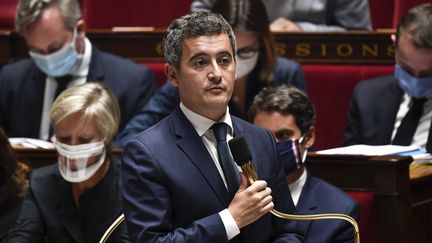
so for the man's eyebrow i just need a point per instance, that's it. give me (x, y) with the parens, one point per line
(198, 54)
(224, 53)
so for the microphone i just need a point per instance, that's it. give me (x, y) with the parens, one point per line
(242, 156)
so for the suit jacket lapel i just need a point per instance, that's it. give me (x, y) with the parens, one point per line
(390, 106)
(307, 204)
(191, 144)
(96, 69)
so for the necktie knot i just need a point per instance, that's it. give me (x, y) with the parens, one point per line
(229, 169)
(220, 131)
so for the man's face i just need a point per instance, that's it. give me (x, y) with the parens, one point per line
(282, 127)
(206, 76)
(416, 61)
(49, 33)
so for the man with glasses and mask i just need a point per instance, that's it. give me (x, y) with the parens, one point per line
(397, 109)
(61, 57)
(289, 115)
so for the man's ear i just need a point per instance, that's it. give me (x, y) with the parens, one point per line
(393, 38)
(310, 137)
(80, 28)
(171, 73)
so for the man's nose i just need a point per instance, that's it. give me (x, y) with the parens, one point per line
(215, 72)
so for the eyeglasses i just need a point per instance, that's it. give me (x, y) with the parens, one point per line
(246, 53)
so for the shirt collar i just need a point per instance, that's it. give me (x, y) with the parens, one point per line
(297, 187)
(84, 66)
(202, 124)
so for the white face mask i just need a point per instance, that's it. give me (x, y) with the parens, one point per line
(73, 160)
(246, 65)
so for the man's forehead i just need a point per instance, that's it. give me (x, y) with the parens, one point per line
(219, 41)
(410, 55)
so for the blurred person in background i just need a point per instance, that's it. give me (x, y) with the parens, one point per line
(61, 56)
(78, 198)
(290, 116)
(397, 109)
(312, 15)
(13, 185)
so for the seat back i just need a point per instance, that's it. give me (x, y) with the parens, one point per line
(381, 17)
(330, 88)
(366, 222)
(402, 6)
(103, 14)
(7, 13)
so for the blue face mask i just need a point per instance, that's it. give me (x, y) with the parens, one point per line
(59, 63)
(414, 87)
(290, 154)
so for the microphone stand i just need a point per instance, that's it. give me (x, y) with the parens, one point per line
(111, 229)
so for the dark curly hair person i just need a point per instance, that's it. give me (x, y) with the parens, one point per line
(13, 185)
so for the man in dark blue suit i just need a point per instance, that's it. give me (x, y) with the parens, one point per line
(287, 112)
(175, 188)
(381, 105)
(61, 56)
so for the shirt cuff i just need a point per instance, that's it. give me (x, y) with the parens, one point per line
(229, 223)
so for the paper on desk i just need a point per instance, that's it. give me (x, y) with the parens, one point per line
(422, 158)
(372, 150)
(31, 143)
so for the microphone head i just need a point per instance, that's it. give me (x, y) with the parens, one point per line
(240, 150)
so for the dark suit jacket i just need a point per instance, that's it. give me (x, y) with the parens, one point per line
(373, 111)
(167, 98)
(49, 214)
(173, 191)
(8, 214)
(22, 87)
(320, 197)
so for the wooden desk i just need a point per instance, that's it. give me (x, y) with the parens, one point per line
(145, 46)
(36, 158)
(402, 207)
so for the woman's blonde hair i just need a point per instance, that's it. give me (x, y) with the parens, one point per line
(94, 101)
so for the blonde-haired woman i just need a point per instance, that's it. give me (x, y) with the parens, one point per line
(78, 198)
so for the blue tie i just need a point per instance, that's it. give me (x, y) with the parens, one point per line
(229, 168)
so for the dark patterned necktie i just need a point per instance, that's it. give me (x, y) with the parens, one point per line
(62, 83)
(405, 132)
(229, 168)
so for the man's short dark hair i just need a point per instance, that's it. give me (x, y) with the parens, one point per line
(417, 23)
(287, 100)
(201, 23)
